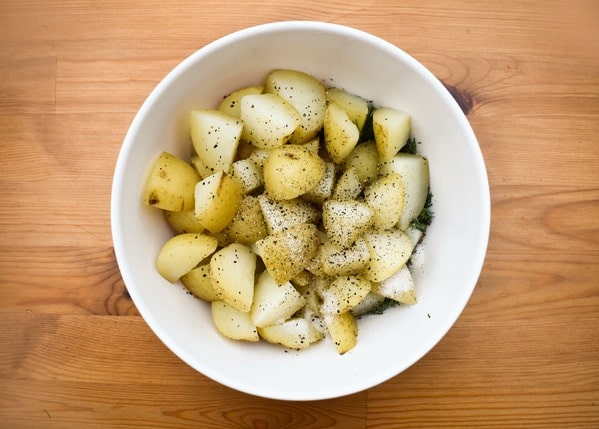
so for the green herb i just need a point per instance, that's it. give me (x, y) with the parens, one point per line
(424, 219)
(411, 146)
(367, 133)
(383, 306)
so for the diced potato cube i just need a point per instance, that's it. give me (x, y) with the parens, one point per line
(323, 189)
(340, 134)
(365, 160)
(184, 221)
(248, 224)
(356, 107)
(345, 221)
(350, 260)
(348, 186)
(344, 293)
(217, 199)
(231, 104)
(248, 174)
(343, 330)
(280, 215)
(199, 282)
(389, 251)
(391, 131)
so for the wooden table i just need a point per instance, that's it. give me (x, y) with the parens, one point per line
(74, 352)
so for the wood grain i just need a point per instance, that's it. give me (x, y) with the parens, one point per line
(74, 352)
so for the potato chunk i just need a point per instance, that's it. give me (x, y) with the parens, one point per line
(391, 131)
(232, 271)
(344, 293)
(183, 252)
(295, 333)
(287, 253)
(356, 107)
(345, 221)
(217, 199)
(281, 215)
(215, 137)
(232, 323)
(306, 93)
(171, 184)
(274, 303)
(343, 330)
(291, 171)
(399, 287)
(268, 120)
(340, 133)
(389, 251)
(231, 104)
(385, 196)
(199, 282)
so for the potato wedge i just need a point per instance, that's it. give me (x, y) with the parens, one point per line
(343, 330)
(184, 221)
(274, 303)
(183, 252)
(323, 189)
(391, 131)
(268, 120)
(287, 253)
(345, 221)
(306, 93)
(344, 293)
(348, 186)
(171, 183)
(231, 103)
(365, 160)
(295, 333)
(356, 107)
(399, 287)
(338, 262)
(281, 215)
(340, 134)
(232, 323)
(291, 171)
(215, 136)
(248, 174)
(389, 251)
(232, 272)
(199, 282)
(217, 199)
(414, 172)
(248, 224)
(385, 196)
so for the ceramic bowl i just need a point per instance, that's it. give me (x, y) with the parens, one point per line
(451, 256)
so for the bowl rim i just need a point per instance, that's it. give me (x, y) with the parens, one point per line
(216, 44)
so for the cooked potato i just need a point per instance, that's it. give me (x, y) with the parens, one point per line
(274, 303)
(389, 251)
(343, 330)
(414, 171)
(323, 189)
(268, 120)
(215, 136)
(340, 133)
(183, 252)
(232, 323)
(231, 104)
(199, 282)
(313, 145)
(365, 160)
(248, 224)
(348, 186)
(232, 272)
(356, 107)
(295, 333)
(399, 287)
(281, 215)
(217, 199)
(351, 260)
(345, 221)
(344, 293)
(201, 167)
(287, 253)
(171, 184)
(184, 221)
(258, 157)
(248, 174)
(291, 171)
(385, 196)
(306, 94)
(391, 131)
(368, 304)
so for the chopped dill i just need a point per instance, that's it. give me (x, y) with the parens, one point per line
(411, 146)
(383, 306)
(367, 133)
(424, 219)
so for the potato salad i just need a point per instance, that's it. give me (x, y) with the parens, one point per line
(297, 212)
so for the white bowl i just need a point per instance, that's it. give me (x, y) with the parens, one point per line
(453, 251)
